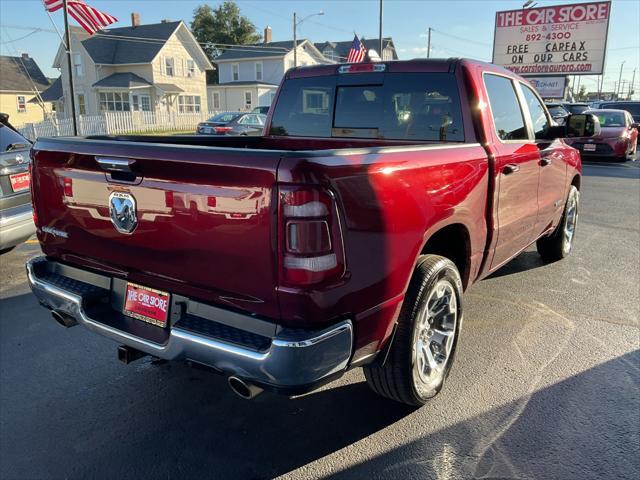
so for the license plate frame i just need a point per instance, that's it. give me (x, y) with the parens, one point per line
(20, 182)
(208, 130)
(145, 304)
(589, 147)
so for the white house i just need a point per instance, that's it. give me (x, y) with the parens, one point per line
(156, 67)
(249, 75)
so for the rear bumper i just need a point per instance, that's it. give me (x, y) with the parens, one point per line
(289, 361)
(16, 225)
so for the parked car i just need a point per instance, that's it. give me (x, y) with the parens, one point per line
(618, 138)
(261, 110)
(558, 112)
(245, 124)
(632, 107)
(214, 124)
(350, 229)
(16, 215)
(576, 107)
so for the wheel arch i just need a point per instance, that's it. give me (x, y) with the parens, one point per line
(452, 241)
(576, 180)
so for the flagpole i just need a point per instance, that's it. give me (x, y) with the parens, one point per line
(67, 35)
(380, 45)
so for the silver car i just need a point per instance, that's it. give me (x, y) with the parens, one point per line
(16, 218)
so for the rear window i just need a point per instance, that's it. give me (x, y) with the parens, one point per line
(10, 140)
(409, 106)
(224, 117)
(577, 109)
(610, 119)
(632, 108)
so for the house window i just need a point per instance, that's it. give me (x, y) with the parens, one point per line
(191, 68)
(248, 99)
(258, 70)
(235, 69)
(77, 65)
(169, 67)
(330, 53)
(189, 104)
(216, 100)
(141, 103)
(81, 106)
(272, 96)
(22, 104)
(114, 101)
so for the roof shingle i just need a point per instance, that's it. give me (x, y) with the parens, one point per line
(21, 74)
(117, 46)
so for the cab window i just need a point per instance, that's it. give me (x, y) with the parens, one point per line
(505, 108)
(539, 119)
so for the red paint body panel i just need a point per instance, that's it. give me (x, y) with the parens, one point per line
(208, 209)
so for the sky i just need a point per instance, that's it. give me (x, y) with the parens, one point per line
(461, 28)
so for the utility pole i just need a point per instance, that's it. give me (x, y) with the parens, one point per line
(429, 43)
(67, 35)
(295, 40)
(632, 84)
(619, 78)
(380, 46)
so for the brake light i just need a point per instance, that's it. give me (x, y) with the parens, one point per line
(362, 68)
(222, 129)
(33, 200)
(311, 249)
(68, 187)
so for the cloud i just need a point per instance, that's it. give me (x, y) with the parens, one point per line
(420, 50)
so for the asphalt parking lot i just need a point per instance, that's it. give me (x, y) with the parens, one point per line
(545, 385)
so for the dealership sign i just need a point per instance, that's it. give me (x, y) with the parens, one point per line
(564, 39)
(549, 87)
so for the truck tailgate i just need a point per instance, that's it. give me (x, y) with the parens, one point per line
(204, 216)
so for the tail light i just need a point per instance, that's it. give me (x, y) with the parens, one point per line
(223, 129)
(311, 247)
(68, 186)
(33, 200)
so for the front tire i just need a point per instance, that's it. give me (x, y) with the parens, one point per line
(421, 353)
(559, 244)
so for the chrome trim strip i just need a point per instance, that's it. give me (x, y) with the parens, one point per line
(115, 164)
(312, 341)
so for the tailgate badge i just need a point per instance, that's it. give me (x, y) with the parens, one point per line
(122, 209)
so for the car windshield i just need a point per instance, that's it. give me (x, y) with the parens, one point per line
(610, 119)
(578, 108)
(223, 117)
(557, 111)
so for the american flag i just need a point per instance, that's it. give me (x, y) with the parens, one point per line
(88, 17)
(357, 51)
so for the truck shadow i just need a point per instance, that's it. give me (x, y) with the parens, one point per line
(70, 410)
(527, 260)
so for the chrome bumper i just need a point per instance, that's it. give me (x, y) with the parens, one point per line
(294, 362)
(16, 225)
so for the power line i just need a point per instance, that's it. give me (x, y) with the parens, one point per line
(462, 39)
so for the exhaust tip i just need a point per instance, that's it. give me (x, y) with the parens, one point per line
(63, 319)
(243, 389)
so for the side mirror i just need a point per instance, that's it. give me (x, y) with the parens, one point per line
(635, 125)
(582, 125)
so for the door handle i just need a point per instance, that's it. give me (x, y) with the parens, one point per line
(510, 168)
(545, 161)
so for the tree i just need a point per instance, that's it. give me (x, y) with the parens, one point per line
(582, 94)
(217, 28)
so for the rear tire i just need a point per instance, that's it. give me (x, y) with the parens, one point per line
(421, 353)
(559, 244)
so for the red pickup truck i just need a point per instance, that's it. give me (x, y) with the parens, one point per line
(343, 237)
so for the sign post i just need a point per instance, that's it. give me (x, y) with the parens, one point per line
(556, 40)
